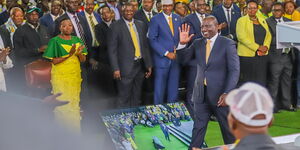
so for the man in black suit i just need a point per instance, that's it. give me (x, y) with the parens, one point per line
(30, 41)
(281, 65)
(129, 55)
(146, 13)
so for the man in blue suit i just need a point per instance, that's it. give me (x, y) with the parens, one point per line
(217, 73)
(227, 15)
(194, 21)
(164, 38)
(48, 19)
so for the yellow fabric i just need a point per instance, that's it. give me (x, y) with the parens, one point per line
(66, 79)
(294, 17)
(263, 16)
(135, 41)
(171, 25)
(208, 50)
(245, 35)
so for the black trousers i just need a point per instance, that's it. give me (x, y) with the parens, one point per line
(201, 118)
(281, 68)
(130, 87)
(253, 69)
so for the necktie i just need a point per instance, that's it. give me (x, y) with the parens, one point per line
(202, 17)
(95, 42)
(208, 49)
(207, 56)
(134, 40)
(80, 29)
(228, 19)
(171, 25)
(149, 16)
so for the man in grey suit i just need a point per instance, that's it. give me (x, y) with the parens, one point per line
(281, 66)
(129, 56)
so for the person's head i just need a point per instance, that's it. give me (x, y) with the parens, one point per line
(89, 6)
(227, 3)
(127, 11)
(10, 2)
(200, 6)
(66, 26)
(192, 6)
(106, 13)
(113, 2)
(25, 2)
(32, 15)
(277, 10)
(251, 110)
(289, 7)
(267, 5)
(217, 2)
(17, 15)
(252, 7)
(244, 10)
(167, 6)
(72, 5)
(158, 5)
(207, 9)
(180, 9)
(134, 4)
(56, 6)
(209, 27)
(147, 5)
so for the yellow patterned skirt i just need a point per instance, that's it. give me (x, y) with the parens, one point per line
(66, 79)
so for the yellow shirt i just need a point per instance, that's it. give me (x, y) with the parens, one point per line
(294, 17)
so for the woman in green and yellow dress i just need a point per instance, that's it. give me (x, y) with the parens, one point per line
(66, 52)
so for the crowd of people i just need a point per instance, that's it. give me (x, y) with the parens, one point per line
(128, 48)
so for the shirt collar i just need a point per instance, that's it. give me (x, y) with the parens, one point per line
(108, 23)
(231, 7)
(166, 16)
(32, 26)
(71, 15)
(146, 12)
(88, 13)
(213, 39)
(127, 22)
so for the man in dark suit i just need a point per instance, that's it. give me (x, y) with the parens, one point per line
(194, 21)
(48, 19)
(281, 65)
(146, 13)
(227, 15)
(105, 79)
(164, 39)
(129, 55)
(217, 73)
(30, 41)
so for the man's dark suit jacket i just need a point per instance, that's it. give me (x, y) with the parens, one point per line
(84, 24)
(27, 41)
(48, 22)
(140, 15)
(121, 49)
(5, 38)
(195, 24)
(221, 71)
(4, 17)
(219, 13)
(101, 32)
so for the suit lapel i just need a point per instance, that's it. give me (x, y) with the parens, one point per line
(175, 25)
(214, 50)
(165, 24)
(202, 51)
(127, 33)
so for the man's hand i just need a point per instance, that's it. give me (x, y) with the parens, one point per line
(148, 73)
(117, 75)
(221, 102)
(171, 55)
(42, 49)
(3, 53)
(184, 34)
(263, 49)
(222, 25)
(52, 101)
(94, 64)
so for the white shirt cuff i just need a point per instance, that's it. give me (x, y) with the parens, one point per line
(166, 53)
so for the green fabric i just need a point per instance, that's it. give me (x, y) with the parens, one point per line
(58, 47)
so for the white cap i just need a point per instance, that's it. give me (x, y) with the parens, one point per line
(166, 2)
(248, 101)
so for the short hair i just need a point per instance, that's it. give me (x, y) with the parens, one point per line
(212, 18)
(252, 1)
(127, 4)
(295, 6)
(62, 20)
(278, 3)
(14, 9)
(104, 6)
